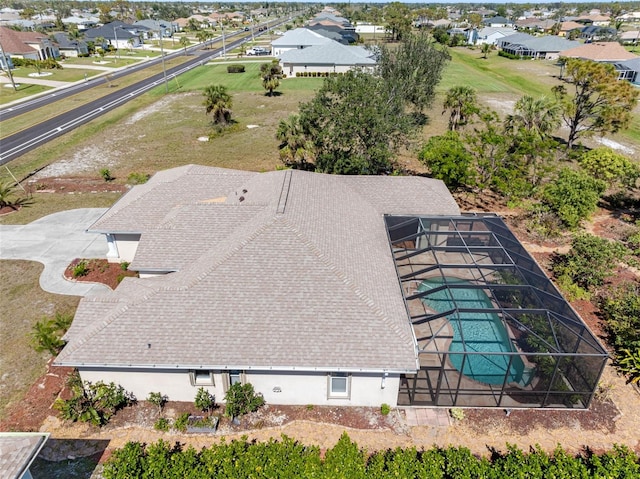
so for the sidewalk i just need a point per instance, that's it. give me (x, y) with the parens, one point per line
(55, 241)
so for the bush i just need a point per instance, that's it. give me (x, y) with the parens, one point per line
(456, 413)
(158, 400)
(589, 261)
(138, 178)
(162, 424)
(124, 266)
(511, 56)
(47, 334)
(106, 174)
(242, 399)
(448, 160)
(205, 401)
(385, 409)
(80, 269)
(573, 196)
(94, 403)
(181, 422)
(235, 69)
(609, 166)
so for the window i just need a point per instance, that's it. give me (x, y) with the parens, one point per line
(234, 377)
(201, 377)
(339, 385)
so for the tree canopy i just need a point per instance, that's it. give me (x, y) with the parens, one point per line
(596, 102)
(218, 103)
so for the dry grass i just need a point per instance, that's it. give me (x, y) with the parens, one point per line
(23, 304)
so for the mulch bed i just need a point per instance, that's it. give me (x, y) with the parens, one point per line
(99, 271)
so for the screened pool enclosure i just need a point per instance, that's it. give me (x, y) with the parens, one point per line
(491, 329)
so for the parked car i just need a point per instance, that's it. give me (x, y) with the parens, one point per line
(258, 51)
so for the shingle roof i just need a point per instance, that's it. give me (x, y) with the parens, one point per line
(17, 452)
(600, 52)
(14, 42)
(301, 278)
(300, 36)
(549, 43)
(333, 53)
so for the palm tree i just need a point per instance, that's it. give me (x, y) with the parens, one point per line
(485, 49)
(295, 147)
(184, 42)
(271, 74)
(218, 102)
(538, 116)
(202, 36)
(462, 103)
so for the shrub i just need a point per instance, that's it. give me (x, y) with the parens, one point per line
(124, 266)
(456, 413)
(511, 56)
(573, 196)
(235, 69)
(448, 160)
(181, 422)
(385, 409)
(162, 424)
(242, 399)
(138, 178)
(158, 400)
(80, 269)
(106, 174)
(589, 261)
(47, 334)
(205, 401)
(94, 403)
(8, 197)
(609, 166)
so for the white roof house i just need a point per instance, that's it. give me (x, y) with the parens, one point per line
(330, 58)
(283, 279)
(298, 38)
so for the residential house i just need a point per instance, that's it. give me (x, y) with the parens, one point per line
(594, 19)
(608, 52)
(328, 19)
(629, 70)
(336, 33)
(569, 26)
(18, 450)
(542, 25)
(489, 35)
(329, 58)
(118, 34)
(630, 37)
(31, 45)
(327, 290)
(593, 33)
(70, 47)
(297, 39)
(156, 26)
(497, 22)
(82, 23)
(545, 48)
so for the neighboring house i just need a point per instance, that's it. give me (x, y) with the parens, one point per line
(336, 33)
(81, 23)
(369, 28)
(328, 290)
(608, 52)
(31, 45)
(70, 47)
(629, 70)
(497, 22)
(489, 35)
(594, 33)
(566, 27)
(536, 24)
(328, 19)
(297, 39)
(594, 19)
(156, 26)
(545, 48)
(18, 450)
(118, 34)
(328, 58)
(630, 37)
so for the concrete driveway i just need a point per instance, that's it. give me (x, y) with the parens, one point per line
(55, 241)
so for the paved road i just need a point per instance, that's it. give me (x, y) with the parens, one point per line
(55, 241)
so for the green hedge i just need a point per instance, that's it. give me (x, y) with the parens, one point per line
(235, 69)
(510, 55)
(48, 64)
(290, 459)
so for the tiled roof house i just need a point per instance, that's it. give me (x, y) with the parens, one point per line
(284, 279)
(18, 451)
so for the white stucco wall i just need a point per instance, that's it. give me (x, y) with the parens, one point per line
(291, 69)
(277, 388)
(122, 247)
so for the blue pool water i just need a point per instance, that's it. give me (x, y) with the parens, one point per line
(482, 333)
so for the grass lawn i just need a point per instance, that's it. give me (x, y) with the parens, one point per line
(8, 94)
(23, 304)
(68, 75)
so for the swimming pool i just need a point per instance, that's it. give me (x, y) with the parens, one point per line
(482, 333)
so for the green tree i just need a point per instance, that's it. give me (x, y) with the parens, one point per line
(218, 103)
(271, 74)
(412, 70)
(599, 103)
(397, 18)
(295, 149)
(485, 49)
(573, 196)
(539, 116)
(241, 399)
(609, 166)
(204, 400)
(462, 104)
(355, 125)
(9, 197)
(184, 42)
(448, 160)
